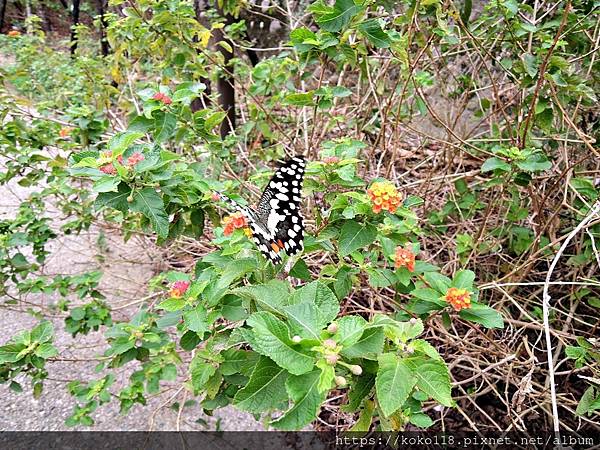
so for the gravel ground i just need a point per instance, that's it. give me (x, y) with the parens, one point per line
(126, 269)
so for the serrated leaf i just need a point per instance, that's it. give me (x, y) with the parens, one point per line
(165, 124)
(200, 372)
(196, 319)
(270, 337)
(341, 14)
(43, 332)
(150, 204)
(271, 296)
(354, 236)
(303, 390)
(483, 314)
(464, 279)
(368, 346)
(395, 380)
(116, 200)
(319, 295)
(265, 390)
(121, 142)
(432, 377)
(372, 30)
(495, 163)
(350, 330)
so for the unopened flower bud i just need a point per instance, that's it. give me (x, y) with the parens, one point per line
(329, 343)
(340, 381)
(355, 369)
(332, 328)
(413, 320)
(332, 359)
(130, 199)
(297, 339)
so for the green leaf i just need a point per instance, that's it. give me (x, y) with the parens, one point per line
(327, 376)
(299, 99)
(43, 332)
(380, 278)
(421, 420)
(464, 279)
(588, 402)
(214, 119)
(165, 125)
(270, 297)
(394, 382)
(303, 390)
(432, 378)
(483, 314)
(107, 184)
(368, 346)
(201, 371)
(172, 304)
(265, 390)
(319, 295)
(354, 236)
(300, 271)
(304, 320)
(116, 200)
(372, 30)
(150, 204)
(350, 330)
(339, 17)
(437, 281)
(495, 163)
(10, 353)
(46, 351)
(196, 319)
(271, 338)
(363, 424)
(360, 389)
(530, 64)
(121, 142)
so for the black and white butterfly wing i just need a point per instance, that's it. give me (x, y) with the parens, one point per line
(277, 223)
(279, 207)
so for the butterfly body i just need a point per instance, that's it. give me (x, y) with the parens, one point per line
(277, 223)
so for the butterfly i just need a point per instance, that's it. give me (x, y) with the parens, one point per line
(277, 223)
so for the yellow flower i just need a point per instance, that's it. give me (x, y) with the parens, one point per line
(458, 298)
(384, 195)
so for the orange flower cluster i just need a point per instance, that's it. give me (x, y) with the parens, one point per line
(458, 298)
(384, 195)
(331, 160)
(162, 98)
(14, 33)
(65, 132)
(404, 258)
(234, 221)
(179, 288)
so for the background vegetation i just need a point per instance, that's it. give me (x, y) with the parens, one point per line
(449, 278)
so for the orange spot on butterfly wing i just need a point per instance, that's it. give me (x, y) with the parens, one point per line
(275, 247)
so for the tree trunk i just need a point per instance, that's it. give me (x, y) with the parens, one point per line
(225, 83)
(2, 13)
(75, 21)
(105, 47)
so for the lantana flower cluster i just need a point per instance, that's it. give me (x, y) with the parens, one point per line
(458, 298)
(164, 98)
(179, 288)
(235, 221)
(404, 258)
(384, 196)
(110, 169)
